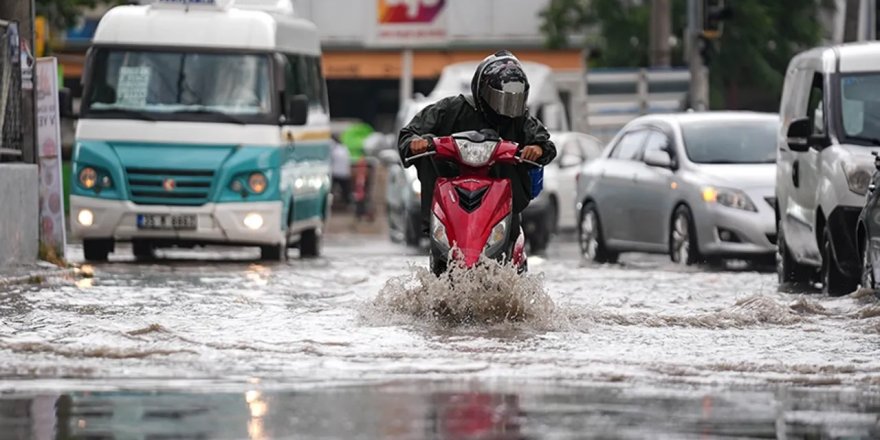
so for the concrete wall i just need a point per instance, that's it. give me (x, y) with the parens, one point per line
(19, 206)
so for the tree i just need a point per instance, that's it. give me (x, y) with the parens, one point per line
(757, 44)
(751, 55)
(615, 31)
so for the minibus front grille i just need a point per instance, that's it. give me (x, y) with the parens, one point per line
(150, 186)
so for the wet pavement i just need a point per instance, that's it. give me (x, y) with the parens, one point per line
(214, 344)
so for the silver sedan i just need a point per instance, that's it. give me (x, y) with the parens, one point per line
(698, 186)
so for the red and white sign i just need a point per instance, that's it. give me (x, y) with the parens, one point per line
(52, 230)
(410, 22)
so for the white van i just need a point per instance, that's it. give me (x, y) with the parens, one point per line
(830, 113)
(203, 121)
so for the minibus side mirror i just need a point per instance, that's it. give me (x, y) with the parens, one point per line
(799, 133)
(297, 110)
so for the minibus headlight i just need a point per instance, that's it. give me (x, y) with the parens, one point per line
(88, 177)
(257, 182)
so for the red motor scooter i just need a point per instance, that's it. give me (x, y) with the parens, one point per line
(472, 213)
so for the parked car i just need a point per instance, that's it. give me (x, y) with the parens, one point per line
(831, 124)
(868, 232)
(553, 209)
(698, 186)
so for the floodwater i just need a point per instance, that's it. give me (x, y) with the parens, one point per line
(364, 343)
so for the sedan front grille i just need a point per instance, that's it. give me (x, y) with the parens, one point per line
(169, 187)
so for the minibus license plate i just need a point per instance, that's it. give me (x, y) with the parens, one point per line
(166, 221)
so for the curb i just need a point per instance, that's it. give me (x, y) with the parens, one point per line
(38, 276)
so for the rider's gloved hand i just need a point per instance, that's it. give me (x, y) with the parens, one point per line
(530, 152)
(418, 146)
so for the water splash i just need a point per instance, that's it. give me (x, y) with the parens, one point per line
(489, 293)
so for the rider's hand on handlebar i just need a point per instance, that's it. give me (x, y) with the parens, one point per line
(530, 152)
(418, 146)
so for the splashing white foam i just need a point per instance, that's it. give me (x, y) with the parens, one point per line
(487, 294)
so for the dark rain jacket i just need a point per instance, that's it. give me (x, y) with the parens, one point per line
(459, 113)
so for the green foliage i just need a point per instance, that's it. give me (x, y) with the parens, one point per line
(62, 14)
(616, 31)
(758, 42)
(753, 52)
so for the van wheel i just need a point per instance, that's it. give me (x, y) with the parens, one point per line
(683, 238)
(277, 252)
(97, 250)
(142, 250)
(834, 282)
(310, 243)
(867, 266)
(787, 269)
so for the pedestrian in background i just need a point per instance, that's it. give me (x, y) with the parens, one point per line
(340, 168)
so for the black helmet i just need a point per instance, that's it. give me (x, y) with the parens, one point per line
(500, 86)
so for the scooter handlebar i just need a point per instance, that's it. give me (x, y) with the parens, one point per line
(421, 155)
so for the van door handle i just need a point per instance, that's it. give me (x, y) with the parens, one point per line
(796, 173)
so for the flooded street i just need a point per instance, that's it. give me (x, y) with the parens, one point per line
(346, 346)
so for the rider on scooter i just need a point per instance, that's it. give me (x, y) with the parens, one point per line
(498, 102)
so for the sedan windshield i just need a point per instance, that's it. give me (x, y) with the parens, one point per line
(163, 84)
(860, 107)
(731, 141)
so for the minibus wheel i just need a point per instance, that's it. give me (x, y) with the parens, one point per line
(97, 249)
(310, 243)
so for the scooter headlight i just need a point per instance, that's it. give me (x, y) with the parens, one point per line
(475, 154)
(438, 233)
(497, 236)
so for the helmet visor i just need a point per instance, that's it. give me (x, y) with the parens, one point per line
(510, 104)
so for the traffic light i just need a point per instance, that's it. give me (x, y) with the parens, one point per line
(714, 14)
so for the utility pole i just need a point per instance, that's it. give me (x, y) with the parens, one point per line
(22, 12)
(699, 89)
(661, 23)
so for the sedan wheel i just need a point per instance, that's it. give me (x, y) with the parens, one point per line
(590, 237)
(682, 240)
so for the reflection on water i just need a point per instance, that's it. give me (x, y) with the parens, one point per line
(445, 411)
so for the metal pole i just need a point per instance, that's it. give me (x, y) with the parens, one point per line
(406, 75)
(661, 24)
(699, 87)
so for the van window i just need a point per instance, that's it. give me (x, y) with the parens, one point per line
(815, 108)
(860, 106)
(303, 77)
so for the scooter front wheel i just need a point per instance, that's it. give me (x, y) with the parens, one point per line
(437, 263)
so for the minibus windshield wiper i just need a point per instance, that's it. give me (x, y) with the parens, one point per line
(869, 139)
(131, 113)
(226, 117)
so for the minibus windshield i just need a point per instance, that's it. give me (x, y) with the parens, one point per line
(860, 108)
(168, 84)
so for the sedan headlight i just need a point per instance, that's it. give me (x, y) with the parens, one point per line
(497, 236)
(438, 233)
(858, 176)
(475, 154)
(730, 198)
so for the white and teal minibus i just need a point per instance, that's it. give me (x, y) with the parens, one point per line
(202, 122)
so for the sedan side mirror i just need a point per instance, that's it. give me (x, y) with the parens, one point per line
(798, 137)
(658, 158)
(569, 160)
(296, 110)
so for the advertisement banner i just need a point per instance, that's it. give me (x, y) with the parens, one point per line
(52, 227)
(410, 23)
